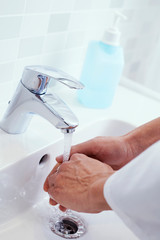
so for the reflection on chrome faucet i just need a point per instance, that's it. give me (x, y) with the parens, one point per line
(31, 97)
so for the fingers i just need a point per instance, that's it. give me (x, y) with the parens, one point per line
(49, 185)
(78, 156)
(59, 159)
(84, 148)
(63, 209)
(52, 194)
(52, 202)
(51, 180)
(46, 183)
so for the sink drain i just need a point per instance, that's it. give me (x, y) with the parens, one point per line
(68, 227)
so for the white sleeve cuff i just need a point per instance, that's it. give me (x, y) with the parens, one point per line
(133, 193)
(116, 207)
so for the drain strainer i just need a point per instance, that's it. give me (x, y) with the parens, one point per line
(68, 227)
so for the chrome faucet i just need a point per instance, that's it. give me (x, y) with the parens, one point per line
(31, 97)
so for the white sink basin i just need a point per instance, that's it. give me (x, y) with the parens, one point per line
(24, 208)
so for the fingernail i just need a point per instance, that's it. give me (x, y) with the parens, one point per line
(59, 158)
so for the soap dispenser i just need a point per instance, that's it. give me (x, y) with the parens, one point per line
(102, 69)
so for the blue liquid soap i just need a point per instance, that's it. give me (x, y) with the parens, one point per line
(101, 74)
(102, 69)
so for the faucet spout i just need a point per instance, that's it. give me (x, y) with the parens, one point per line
(28, 101)
(56, 112)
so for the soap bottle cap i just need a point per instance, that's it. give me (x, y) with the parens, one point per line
(112, 35)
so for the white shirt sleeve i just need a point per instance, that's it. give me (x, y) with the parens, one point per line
(133, 193)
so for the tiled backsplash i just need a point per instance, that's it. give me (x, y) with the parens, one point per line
(56, 33)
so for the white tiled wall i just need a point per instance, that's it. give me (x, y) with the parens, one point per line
(56, 33)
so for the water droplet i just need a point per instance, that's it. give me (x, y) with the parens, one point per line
(22, 193)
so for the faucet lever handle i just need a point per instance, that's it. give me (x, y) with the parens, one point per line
(36, 78)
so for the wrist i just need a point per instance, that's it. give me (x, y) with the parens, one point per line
(141, 138)
(125, 152)
(131, 147)
(96, 196)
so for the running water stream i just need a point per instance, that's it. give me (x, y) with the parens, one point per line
(67, 146)
(66, 153)
(64, 224)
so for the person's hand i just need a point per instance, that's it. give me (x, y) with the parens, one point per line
(78, 184)
(46, 186)
(114, 151)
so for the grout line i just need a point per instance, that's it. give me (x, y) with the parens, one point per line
(46, 32)
(19, 38)
(55, 12)
(71, 11)
(45, 54)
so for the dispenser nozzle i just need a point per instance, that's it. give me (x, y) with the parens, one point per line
(112, 35)
(118, 17)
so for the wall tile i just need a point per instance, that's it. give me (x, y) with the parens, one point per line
(55, 42)
(10, 27)
(78, 21)
(100, 19)
(154, 3)
(8, 50)
(147, 27)
(75, 39)
(117, 3)
(129, 13)
(37, 6)
(56, 32)
(21, 63)
(64, 58)
(34, 25)
(58, 22)
(131, 43)
(100, 4)
(82, 4)
(11, 7)
(128, 58)
(6, 70)
(92, 35)
(62, 5)
(30, 46)
(5, 96)
(135, 4)
(55, 60)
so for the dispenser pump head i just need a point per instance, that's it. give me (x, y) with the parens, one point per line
(112, 35)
